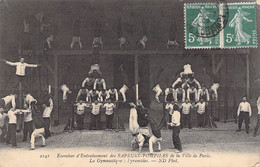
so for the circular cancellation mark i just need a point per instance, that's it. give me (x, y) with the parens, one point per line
(206, 27)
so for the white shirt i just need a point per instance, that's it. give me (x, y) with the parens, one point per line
(258, 104)
(169, 107)
(244, 106)
(133, 124)
(186, 108)
(20, 67)
(47, 111)
(96, 108)
(12, 117)
(176, 117)
(201, 107)
(109, 108)
(81, 108)
(27, 115)
(8, 99)
(29, 99)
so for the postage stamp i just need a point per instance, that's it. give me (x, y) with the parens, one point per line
(220, 25)
(241, 28)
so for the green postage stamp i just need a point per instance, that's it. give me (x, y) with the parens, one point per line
(212, 25)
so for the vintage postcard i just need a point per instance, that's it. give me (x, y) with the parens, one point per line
(171, 83)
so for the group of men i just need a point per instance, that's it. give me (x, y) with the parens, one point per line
(36, 119)
(95, 95)
(187, 93)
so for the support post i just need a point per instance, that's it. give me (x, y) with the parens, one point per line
(136, 77)
(234, 89)
(56, 88)
(226, 92)
(247, 76)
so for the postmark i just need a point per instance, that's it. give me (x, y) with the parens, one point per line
(203, 23)
(208, 25)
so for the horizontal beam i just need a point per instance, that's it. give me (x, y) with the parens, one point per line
(139, 52)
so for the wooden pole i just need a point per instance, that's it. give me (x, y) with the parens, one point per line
(226, 92)
(56, 87)
(136, 77)
(234, 89)
(247, 76)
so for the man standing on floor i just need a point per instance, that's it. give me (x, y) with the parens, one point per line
(258, 116)
(95, 116)
(11, 134)
(201, 113)
(186, 116)
(28, 122)
(47, 117)
(244, 112)
(175, 123)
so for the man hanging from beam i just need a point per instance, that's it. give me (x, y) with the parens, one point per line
(157, 89)
(125, 80)
(97, 41)
(122, 40)
(142, 42)
(172, 37)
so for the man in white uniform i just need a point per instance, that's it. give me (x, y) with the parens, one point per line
(201, 113)
(186, 116)
(109, 114)
(80, 114)
(244, 112)
(20, 68)
(95, 116)
(6, 100)
(47, 117)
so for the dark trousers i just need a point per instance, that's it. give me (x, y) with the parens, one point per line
(22, 80)
(175, 137)
(80, 121)
(243, 116)
(28, 129)
(200, 119)
(4, 132)
(257, 124)
(11, 134)
(95, 121)
(47, 125)
(186, 120)
(109, 121)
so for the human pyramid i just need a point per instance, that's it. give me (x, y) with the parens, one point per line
(95, 95)
(184, 94)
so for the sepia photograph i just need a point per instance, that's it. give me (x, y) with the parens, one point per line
(138, 83)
